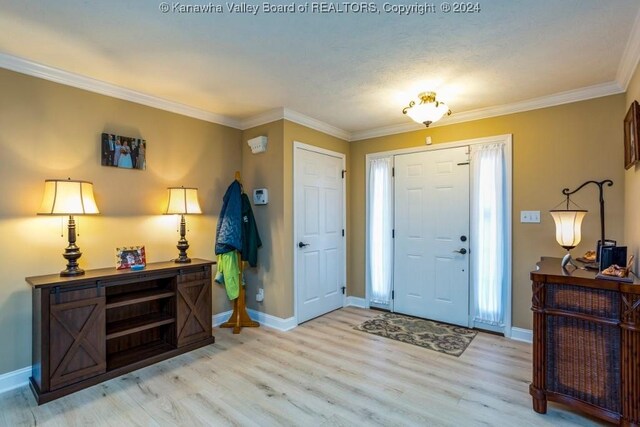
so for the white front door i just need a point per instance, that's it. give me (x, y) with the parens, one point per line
(319, 231)
(431, 268)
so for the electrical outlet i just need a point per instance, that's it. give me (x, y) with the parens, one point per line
(260, 295)
(530, 216)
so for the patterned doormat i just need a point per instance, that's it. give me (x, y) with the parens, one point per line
(440, 337)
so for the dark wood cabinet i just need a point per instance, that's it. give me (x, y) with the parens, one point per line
(586, 343)
(94, 327)
(193, 321)
(77, 321)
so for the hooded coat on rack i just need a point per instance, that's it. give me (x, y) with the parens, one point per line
(236, 230)
(229, 229)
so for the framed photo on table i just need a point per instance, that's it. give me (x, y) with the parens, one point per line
(631, 136)
(128, 256)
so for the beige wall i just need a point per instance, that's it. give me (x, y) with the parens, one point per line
(274, 170)
(49, 130)
(553, 148)
(264, 170)
(632, 182)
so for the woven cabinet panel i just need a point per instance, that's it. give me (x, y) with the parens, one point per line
(594, 302)
(583, 360)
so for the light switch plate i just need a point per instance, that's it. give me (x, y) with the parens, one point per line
(530, 216)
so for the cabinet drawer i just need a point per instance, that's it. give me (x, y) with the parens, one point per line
(576, 299)
(194, 275)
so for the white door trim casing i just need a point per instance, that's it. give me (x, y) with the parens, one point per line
(300, 145)
(507, 139)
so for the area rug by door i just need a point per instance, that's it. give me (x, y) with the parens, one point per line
(440, 337)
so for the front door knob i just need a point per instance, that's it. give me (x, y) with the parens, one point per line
(461, 251)
(302, 245)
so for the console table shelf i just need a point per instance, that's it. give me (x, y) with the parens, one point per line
(142, 352)
(138, 297)
(138, 324)
(91, 328)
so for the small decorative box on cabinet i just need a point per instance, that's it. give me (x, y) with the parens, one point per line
(91, 328)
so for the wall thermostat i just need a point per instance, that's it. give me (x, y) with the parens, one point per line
(260, 196)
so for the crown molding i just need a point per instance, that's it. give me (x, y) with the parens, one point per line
(262, 118)
(582, 94)
(310, 122)
(630, 56)
(625, 71)
(57, 75)
(295, 117)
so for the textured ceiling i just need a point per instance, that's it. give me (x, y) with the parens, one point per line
(354, 71)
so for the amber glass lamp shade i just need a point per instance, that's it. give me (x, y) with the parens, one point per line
(568, 230)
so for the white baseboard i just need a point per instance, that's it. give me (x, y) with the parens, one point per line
(273, 321)
(220, 318)
(263, 318)
(15, 379)
(520, 334)
(356, 302)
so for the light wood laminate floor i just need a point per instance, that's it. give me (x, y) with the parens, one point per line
(322, 373)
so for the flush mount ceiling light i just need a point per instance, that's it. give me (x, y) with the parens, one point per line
(428, 110)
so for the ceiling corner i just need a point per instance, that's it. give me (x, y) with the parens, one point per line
(630, 56)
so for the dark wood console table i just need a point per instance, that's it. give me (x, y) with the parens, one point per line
(91, 328)
(586, 343)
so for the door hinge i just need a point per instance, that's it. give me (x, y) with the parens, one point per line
(344, 289)
(393, 172)
(343, 232)
(343, 172)
(393, 233)
(393, 294)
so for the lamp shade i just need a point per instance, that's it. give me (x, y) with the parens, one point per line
(183, 201)
(568, 227)
(68, 197)
(428, 112)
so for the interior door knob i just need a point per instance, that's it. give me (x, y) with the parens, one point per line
(302, 245)
(461, 251)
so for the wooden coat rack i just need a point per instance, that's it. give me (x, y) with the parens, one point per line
(240, 318)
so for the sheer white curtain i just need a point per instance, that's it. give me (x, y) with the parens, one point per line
(488, 226)
(380, 227)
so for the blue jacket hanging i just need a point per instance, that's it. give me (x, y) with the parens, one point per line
(250, 237)
(229, 229)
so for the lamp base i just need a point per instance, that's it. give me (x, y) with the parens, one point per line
(72, 253)
(183, 244)
(69, 272)
(567, 260)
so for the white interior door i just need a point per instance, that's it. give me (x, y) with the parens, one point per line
(431, 245)
(319, 232)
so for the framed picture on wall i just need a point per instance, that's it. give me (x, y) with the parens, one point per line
(123, 152)
(128, 256)
(631, 136)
